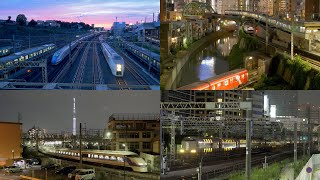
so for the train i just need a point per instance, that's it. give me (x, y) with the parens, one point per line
(123, 159)
(25, 55)
(193, 145)
(225, 81)
(150, 58)
(59, 55)
(5, 51)
(114, 60)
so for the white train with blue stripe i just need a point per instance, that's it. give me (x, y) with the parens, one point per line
(115, 61)
(59, 55)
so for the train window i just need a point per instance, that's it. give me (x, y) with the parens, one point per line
(106, 157)
(120, 159)
(95, 156)
(3, 51)
(219, 84)
(231, 80)
(113, 158)
(101, 157)
(226, 82)
(26, 57)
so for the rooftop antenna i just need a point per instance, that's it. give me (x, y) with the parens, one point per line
(153, 17)
(116, 19)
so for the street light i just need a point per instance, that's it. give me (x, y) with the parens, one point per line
(12, 154)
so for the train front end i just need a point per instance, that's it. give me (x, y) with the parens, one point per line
(119, 66)
(137, 163)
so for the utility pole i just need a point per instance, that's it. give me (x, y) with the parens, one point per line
(309, 131)
(29, 41)
(248, 143)
(295, 142)
(267, 31)
(292, 23)
(80, 142)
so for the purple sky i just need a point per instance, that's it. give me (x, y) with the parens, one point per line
(98, 12)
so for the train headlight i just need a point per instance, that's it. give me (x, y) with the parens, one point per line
(193, 151)
(142, 164)
(119, 67)
(181, 150)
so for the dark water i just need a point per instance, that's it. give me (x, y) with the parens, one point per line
(208, 62)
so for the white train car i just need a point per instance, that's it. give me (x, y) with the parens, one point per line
(115, 61)
(59, 55)
(126, 159)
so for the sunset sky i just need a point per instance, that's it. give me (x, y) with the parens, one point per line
(98, 12)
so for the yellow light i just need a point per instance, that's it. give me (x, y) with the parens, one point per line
(181, 150)
(193, 151)
(119, 67)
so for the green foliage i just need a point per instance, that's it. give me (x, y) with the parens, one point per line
(21, 20)
(32, 23)
(235, 57)
(271, 83)
(316, 81)
(273, 171)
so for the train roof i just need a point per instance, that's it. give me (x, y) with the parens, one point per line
(101, 151)
(145, 51)
(5, 47)
(24, 52)
(116, 57)
(218, 77)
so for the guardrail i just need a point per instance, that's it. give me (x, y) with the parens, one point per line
(311, 166)
(27, 177)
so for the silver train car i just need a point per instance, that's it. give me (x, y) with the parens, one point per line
(150, 58)
(7, 62)
(126, 159)
(5, 51)
(59, 55)
(115, 61)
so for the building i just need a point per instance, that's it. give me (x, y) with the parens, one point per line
(265, 7)
(219, 96)
(118, 28)
(309, 111)
(10, 142)
(135, 132)
(285, 102)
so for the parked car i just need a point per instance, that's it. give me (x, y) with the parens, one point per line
(73, 174)
(66, 170)
(50, 166)
(85, 174)
(12, 169)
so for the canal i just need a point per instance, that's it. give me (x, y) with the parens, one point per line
(208, 62)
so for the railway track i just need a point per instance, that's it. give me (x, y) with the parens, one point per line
(78, 77)
(59, 72)
(130, 67)
(121, 82)
(96, 68)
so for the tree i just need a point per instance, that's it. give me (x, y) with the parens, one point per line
(32, 23)
(21, 20)
(9, 19)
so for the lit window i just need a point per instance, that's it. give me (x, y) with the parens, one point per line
(219, 100)
(226, 82)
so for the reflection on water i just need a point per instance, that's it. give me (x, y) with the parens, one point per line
(208, 62)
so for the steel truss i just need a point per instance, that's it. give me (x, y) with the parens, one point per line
(41, 64)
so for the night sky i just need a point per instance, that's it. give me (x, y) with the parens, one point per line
(52, 110)
(102, 13)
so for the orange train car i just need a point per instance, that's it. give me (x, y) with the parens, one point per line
(224, 81)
